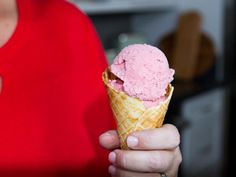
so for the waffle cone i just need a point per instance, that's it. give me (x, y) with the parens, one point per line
(131, 114)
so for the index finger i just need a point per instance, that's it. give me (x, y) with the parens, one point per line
(165, 137)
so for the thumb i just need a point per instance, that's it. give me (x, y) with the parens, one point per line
(109, 140)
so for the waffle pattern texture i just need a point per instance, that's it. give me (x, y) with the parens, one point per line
(131, 114)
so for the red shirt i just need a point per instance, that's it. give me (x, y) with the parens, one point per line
(53, 104)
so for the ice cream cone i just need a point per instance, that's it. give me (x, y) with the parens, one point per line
(131, 114)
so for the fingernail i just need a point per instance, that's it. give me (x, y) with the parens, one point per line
(132, 141)
(107, 134)
(112, 157)
(112, 170)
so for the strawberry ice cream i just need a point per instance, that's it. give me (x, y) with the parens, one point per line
(143, 73)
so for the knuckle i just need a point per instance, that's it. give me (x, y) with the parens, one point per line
(176, 140)
(174, 135)
(179, 157)
(121, 159)
(154, 162)
(144, 141)
(145, 138)
(180, 160)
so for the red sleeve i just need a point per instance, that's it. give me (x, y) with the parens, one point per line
(53, 104)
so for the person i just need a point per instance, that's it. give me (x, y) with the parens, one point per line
(53, 105)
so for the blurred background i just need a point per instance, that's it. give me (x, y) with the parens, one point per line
(198, 38)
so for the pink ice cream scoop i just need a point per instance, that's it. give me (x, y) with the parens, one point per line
(144, 73)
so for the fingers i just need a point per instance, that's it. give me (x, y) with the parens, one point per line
(154, 151)
(165, 137)
(109, 140)
(117, 172)
(143, 161)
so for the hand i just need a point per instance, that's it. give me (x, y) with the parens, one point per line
(153, 152)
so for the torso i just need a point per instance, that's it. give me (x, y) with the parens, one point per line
(53, 105)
